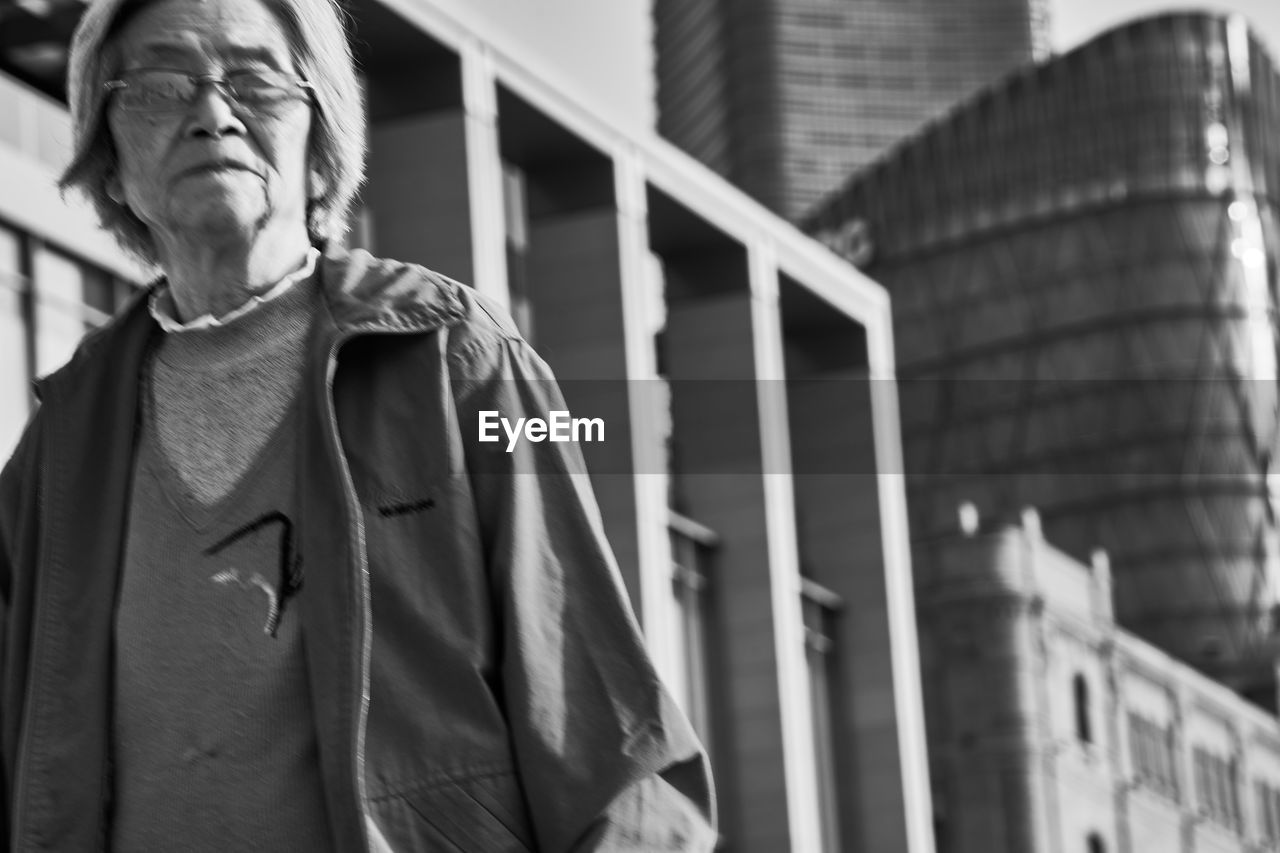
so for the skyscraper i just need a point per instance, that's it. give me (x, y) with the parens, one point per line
(787, 97)
(1083, 269)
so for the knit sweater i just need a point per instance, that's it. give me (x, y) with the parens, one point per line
(218, 392)
(214, 746)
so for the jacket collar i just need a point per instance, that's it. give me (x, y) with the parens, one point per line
(367, 294)
(364, 294)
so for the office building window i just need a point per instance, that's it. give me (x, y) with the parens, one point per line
(821, 608)
(1269, 812)
(70, 299)
(1217, 796)
(1151, 752)
(48, 300)
(691, 546)
(1080, 692)
(515, 210)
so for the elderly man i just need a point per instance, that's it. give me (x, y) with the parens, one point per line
(262, 589)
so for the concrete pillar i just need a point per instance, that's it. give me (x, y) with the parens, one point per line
(483, 170)
(795, 706)
(640, 293)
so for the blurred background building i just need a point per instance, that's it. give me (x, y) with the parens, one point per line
(787, 97)
(1082, 264)
(703, 329)
(1052, 729)
(1082, 261)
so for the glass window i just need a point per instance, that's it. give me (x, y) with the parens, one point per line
(15, 397)
(691, 544)
(1084, 729)
(1167, 769)
(516, 217)
(70, 299)
(1231, 777)
(43, 316)
(1274, 812)
(1216, 792)
(821, 609)
(1151, 751)
(1269, 811)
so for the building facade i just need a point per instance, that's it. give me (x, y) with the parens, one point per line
(1083, 267)
(787, 97)
(1052, 729)
(702, 329)
(82, 276)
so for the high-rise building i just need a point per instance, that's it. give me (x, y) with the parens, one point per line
(775, 594)
(1083, 263)
(787, 97)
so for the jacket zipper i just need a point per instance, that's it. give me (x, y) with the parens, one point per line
(366, 604)
(366, 598)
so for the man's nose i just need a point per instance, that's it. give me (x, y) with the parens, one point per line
(213, 112)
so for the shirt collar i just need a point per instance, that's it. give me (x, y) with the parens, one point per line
(161, 304)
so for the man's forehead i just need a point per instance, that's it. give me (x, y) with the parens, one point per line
(177, 29)
(176, 49)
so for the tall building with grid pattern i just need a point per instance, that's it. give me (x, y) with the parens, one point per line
(1083, 263)
(787, 97)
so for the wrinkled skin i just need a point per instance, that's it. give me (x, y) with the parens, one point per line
(222, 189)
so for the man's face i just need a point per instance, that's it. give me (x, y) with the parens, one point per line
(214, 168)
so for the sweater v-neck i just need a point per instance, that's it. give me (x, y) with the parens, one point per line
(217, 397)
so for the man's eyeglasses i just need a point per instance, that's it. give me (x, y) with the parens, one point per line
(158, 90)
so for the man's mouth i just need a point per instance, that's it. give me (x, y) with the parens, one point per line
(218, 167)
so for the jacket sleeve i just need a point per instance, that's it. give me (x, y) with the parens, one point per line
(671, 810)
(607, 760)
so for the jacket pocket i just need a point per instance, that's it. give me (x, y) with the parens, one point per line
(480, 813)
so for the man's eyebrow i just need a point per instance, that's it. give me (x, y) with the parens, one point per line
(165, 51)
(257, 53)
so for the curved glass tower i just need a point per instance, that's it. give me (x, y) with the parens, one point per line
(1082, 262)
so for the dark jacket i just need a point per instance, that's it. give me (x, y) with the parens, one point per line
(478, 679)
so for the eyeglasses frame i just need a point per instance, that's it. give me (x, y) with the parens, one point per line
(222, 84)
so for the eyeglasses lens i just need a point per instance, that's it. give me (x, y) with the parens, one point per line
(159, 90)
(156, 90)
